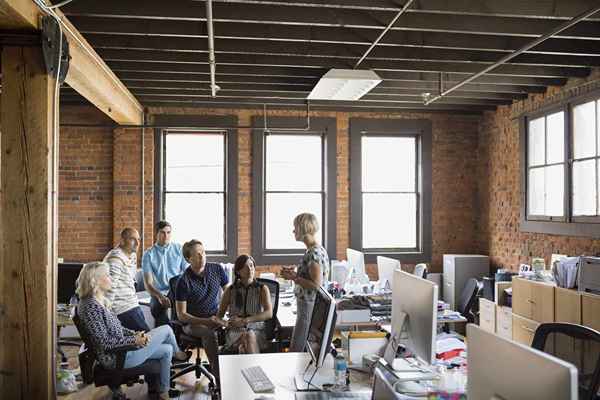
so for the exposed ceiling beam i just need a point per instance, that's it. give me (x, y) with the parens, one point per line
(88, 74)
(151, 48)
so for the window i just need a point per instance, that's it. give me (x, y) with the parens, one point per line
(293, 173)
(561, 155)
(391, 188)
(198, 187)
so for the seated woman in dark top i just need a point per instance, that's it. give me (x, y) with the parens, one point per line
(107, 333)
(249, 305)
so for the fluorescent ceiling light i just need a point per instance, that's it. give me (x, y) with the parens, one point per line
(344, 84)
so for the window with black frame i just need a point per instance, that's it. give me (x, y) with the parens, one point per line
(194, 187)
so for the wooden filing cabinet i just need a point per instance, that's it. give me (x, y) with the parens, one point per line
(590, 310)
(504, 322)
(567, 308)
(487, 315)
(523, 329)
(533, 300)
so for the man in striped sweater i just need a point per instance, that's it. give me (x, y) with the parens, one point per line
(123, 263)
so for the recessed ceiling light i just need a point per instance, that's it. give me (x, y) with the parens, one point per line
(344, 84)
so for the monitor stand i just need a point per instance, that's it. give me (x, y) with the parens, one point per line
(320, 377)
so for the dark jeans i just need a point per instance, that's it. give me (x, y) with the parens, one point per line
(134, 320)
(159, 312)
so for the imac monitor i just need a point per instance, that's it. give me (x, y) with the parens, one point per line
(505, 370)
(385, 268)
(67, 277)
(414, 302)
(356, 260)
(322, 325)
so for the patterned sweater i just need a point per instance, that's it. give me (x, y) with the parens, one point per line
(122, 296)
(105, 331)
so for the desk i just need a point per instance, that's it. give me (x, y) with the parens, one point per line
(281, 369)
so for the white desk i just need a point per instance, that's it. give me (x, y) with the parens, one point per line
(281, 368)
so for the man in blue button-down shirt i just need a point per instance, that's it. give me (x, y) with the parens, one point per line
(160, 263)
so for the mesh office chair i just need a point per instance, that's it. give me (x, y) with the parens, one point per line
(93, 372)
(467, 303)
(188, 342)
(272, 326)
(578, 345)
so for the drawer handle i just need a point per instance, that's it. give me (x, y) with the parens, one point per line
(530, 301)
(528, 329)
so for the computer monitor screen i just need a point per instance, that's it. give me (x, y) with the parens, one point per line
(356, 260)
(67, 277)
(383, 384)
(502, 369)
(385, 268)
(322, 325)
(415, 299)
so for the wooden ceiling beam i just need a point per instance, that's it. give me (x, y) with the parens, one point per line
(88, 74)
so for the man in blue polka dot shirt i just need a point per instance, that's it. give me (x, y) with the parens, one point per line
(197, 299)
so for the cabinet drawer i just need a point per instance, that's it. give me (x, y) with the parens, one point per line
(523, 329)
(487, 315)
(504, 322)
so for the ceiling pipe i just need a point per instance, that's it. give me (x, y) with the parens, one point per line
(211, 48)
(372, 46)
(523, 49)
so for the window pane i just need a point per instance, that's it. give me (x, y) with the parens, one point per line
(535, 196)
(536, 142)
(389, 220)
(197, 216)
(280, 211)
(195, 162)
(293, 163)
(584, 130)
(555, 138)
(554, 188)
(584, 187)
(388, 164)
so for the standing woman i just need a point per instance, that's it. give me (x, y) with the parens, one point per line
(311, 273)
(107, 334)
(249, 305)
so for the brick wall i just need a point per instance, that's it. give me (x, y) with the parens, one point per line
(85, 208)
(454, 197)
(498, 170)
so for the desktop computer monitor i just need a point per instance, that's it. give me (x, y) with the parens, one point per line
(356, 260)
(501, 369)
(385, 268)
(414, 302)
(322, 325)
(66, 281)
(383, 384)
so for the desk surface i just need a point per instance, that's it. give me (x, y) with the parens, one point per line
(280, 368)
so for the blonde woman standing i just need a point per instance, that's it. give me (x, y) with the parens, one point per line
(311, 273)
(107, 333)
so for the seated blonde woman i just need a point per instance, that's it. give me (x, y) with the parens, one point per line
(107, 333)
(249, 305)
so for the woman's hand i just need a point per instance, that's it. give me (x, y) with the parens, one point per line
(237, 322)
(142, 339)
(218, 322)
(288, 273)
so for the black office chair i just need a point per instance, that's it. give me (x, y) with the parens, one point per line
(188, 342)
(467, 303)
(272, 326)
(578, 345)
(93, 372)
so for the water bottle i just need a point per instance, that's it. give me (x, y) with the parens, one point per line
(341, 371)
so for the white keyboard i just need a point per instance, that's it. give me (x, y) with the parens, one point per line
(258, 380)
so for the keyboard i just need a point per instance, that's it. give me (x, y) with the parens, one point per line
(258, 380)
(332, 395)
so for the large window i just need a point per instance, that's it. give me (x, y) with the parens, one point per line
(294, 173)
(199, 188)
(391, 188)
(561, 157)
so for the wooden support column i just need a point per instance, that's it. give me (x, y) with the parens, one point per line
(28, 227)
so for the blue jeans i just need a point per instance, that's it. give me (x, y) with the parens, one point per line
(161, 347)
(134, 319)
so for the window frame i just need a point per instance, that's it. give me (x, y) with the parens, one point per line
(193, 124)
(569, 225)
(278, 125)
(421, 131)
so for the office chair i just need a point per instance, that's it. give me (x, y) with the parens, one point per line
(93, 372)
(578, 345)
(420, 270)
(188, 342)
(467, 303)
